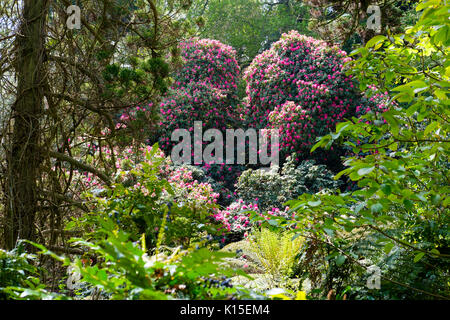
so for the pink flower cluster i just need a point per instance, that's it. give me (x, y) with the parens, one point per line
(373, 101)
(189, 191)
(136, 122)
(195, 102)
(209, 61)
(235, 219)
(135, 113)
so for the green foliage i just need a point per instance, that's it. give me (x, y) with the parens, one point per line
(272, 188)
(15, 269)
(276, 252)
(426, 275)
(19, 276)
(150, 195)
(347, 21)
(126, 271)
(403, 194)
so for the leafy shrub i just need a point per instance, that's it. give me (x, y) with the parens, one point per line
(19, 276)
(426, 276)
(276, 252)
(209, 61)
(125, 270)
(150, 193)
(419, 277)
(15, 269)
(236, 219)
(271, 189)
(205, 89)
(299, 87)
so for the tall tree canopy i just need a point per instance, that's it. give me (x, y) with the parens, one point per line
(250, 26)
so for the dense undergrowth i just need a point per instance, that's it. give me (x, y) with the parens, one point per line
(357, 209)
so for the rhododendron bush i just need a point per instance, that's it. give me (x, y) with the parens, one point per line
(195, 102)
(299, 86)
(211, 61)
(205, 89)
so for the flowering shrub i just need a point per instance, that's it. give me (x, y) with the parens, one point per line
(205, 90)
(271, 189)
(190, 192)
(195, 102)
(208, 61)
(149, 192)
(233, 218)
(136, 123)
(299, 86)
(236, 222)
(373, 101)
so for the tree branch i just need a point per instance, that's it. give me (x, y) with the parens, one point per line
(80, 165)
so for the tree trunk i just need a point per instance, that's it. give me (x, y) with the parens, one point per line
(24, 156)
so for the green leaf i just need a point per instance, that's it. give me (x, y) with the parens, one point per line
(330, 232)
(408, 204)
(388, 247)
(375, 40)
(314, 203)
(365, 171)
(435, 198)
(426, 4)
(322, 142)
(296, 236)
(393, 122)
(432, 126)
(340, 260)
(435, 251)
(419, 256)
(386, 189)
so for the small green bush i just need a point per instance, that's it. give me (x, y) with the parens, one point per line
(276, 252)
(271, 189)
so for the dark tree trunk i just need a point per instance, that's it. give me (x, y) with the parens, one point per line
(24, 157)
